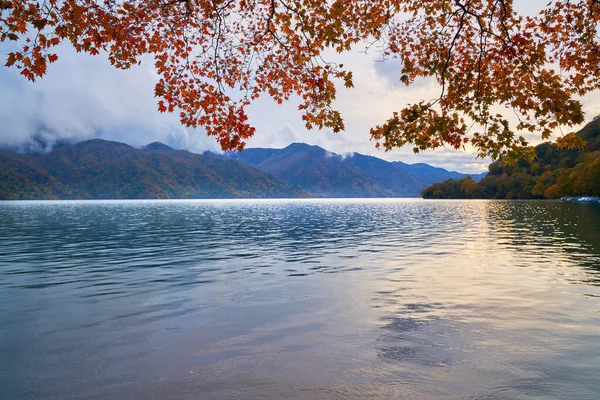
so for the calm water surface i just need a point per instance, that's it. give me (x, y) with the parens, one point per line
(356, 299)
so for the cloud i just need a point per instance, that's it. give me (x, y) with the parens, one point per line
(389, 70)
(83, 97)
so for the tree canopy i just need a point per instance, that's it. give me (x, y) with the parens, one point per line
(555, 173)
(494, 65)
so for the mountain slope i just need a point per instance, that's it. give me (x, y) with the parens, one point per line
(389, 175)
(320, 173)
(325, 174)
(99, 169)
(554, 173)
(428, 174)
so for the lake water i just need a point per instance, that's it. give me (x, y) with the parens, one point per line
(313, 299)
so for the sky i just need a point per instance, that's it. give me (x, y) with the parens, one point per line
(83, 97)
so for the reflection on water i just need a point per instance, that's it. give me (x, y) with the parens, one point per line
(325, 299)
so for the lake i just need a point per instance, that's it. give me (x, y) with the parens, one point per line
(299, 299)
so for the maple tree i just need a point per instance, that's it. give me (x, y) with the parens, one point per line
(214, 57)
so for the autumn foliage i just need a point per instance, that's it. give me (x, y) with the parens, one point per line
(214, 57)
(555, 172)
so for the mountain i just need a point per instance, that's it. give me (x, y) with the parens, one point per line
(157, 147)
(428, 174)
(319, 172)
(325, 174)
(554, 173)
(99, 169)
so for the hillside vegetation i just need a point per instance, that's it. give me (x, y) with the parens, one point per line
(325, 174)
(99, 169)
(554, 173)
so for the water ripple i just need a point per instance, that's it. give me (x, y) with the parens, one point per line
(327, 299)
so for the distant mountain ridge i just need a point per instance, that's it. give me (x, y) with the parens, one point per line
(325, 174)
(100, 169)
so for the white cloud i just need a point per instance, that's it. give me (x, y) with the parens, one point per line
(82, 97)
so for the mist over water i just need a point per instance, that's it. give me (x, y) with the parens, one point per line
(309, 299)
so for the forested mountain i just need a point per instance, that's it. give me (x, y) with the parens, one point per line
(554, 173)
(99, 169)
(325, 174)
